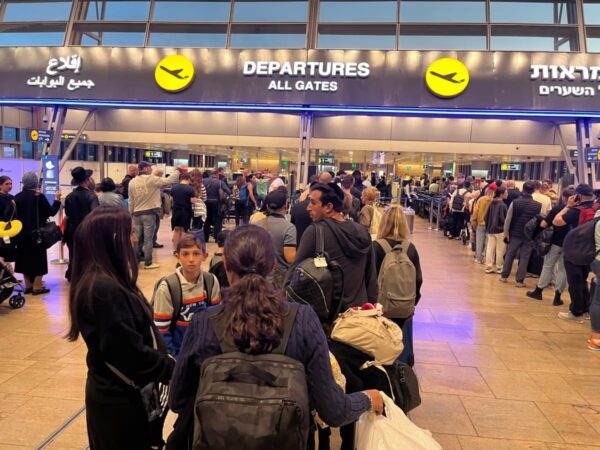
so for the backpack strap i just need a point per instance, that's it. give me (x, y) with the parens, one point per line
(320, 247)
(385, 245)
(176, 294)
(288, 325)
(209, 282)
(404, 244)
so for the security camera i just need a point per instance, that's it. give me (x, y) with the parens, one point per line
(45, 118)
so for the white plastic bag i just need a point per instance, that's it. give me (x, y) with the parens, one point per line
(392, 432)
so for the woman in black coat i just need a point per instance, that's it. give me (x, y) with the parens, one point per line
(116, 322)
(33, 209)
(7, 210)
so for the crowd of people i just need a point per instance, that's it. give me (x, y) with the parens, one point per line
(138, 346)
(505, 223)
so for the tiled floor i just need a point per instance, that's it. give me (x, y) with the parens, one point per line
(497, 370)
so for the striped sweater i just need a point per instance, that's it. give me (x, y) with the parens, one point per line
(194, 299)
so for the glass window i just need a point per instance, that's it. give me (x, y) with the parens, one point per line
(32, 34)
(442, 11)
(355, 37)
(115, 38)
(270, 11)
(268, 40)
(117, 10)
(9, 133)
(591, 12)
(28, 11)
(175, 39)
(358, 11)
(26, 146)
(439, 42)
(192, 11)
(534, 39)
(533, 12)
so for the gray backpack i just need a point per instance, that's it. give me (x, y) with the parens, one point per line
(397, 281)
(251, 402)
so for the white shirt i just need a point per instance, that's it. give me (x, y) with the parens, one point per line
(544, 200)
(276, 184)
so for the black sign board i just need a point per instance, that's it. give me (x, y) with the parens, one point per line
(510, 166)
(513, 82)
(326, 160)
(592, 154)
(71, 136)
(153, 154)
(35, 135)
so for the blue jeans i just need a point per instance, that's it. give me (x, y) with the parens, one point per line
(595, 306)
(144, 229)
(554, 259)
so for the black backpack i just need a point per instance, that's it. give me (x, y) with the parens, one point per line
(254, 402)
(176, 293)
(317, 281)
(217, 268)
(579, 247)
(458, 202)
(543, 241)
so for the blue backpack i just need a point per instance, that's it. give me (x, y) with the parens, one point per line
(244, 197)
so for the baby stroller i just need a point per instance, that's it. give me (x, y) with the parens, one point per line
(465, 233)
(8, 285)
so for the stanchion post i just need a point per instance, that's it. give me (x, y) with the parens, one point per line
(61, 250)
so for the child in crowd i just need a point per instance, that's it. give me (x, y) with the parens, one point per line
(177, 297)
(216, 262)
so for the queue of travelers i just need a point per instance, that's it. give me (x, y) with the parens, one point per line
(136, 346)
(203, 333)
(531, 224)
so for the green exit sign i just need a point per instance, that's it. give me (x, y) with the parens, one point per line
(354, 166)
(285, 163)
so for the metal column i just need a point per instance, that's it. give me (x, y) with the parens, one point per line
(307, 136)
(75, 140)
(583, 128)
(298, 178)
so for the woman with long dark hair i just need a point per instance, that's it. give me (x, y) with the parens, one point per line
(253, 310)
(111, 314)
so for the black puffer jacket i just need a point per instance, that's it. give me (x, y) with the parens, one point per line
(524, 209)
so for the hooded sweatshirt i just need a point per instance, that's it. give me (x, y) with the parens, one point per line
(349, 244)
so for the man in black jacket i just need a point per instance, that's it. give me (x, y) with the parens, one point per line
(214, 185)
(521, 211)
(78, 204)
(513, 192)
(132, 171)
(346, 242)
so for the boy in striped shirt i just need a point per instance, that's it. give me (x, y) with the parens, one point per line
(188, 291)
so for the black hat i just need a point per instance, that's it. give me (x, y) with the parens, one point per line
(276, 200)
(80, 174)
(143, 164)
(585, 190)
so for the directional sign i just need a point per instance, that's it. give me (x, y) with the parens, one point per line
(510, 166)
(153, 154)
(71, 136)
(36, 135)
(50, 176)
(592, 154)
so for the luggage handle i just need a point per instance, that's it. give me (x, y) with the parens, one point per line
(251, 374)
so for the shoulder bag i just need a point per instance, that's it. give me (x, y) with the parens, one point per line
(46, 235)
(154, 395)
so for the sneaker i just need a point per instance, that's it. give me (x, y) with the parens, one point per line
(520, 284)
(157, 245)
(594, 344)
(503, 280)
(569, 316)
(586, 316)
(152, 266)
(489, 270)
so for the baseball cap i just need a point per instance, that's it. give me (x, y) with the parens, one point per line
(276, 200)
(584, 189)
